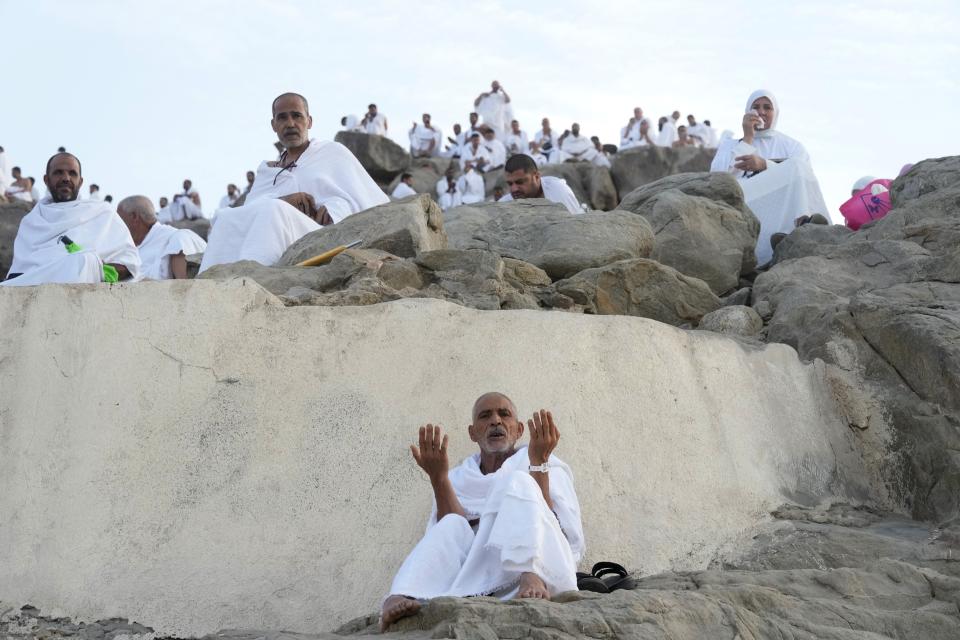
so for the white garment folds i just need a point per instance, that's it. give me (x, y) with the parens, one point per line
(264, 227)
(788, 188)
(471, 187)
(517, 533)
(402, 190)
(555, 190)
(93, 224)
(445, 199)
(163, 241)
(496, 112)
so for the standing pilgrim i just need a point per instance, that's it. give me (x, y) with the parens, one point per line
(774, 172)
(163, 249)
(374, 122)
(495, 109)
(67, 240)
(314, 183)
(424, 139)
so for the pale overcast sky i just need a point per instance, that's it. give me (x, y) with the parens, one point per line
(147, 94)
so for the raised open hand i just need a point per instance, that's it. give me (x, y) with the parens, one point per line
(544, 437)
(431, 455)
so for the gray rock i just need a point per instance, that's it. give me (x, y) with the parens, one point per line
(591, 184)
(643, 288)
(11, 213)
(738, 297)
(636, 167)
(383, 158)
(561, 243)
(733, 320)
(403, 228)
(702, 227)
(810, 240)
(924, 178)
(200, 226)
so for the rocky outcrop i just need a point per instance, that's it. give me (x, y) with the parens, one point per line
(883, 306)
(404, 228)
(200, 226)
(11, 213)
(383, 158)
(592, 185)
(733, 320)
(556, 241)
(636, 167)
(642, 288)
(702, 226)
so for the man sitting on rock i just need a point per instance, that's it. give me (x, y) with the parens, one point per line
(67, 240)
(20, 188)
(505, 523)
(163, 249)
(524, 181)
(448, 191)
(314, 183)
(575, 147)
(495, 150)
(471, 186)
(475, 152)
(404, 188)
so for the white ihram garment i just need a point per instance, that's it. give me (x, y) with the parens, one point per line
(421, 137)
(580, 145)
(555, 190)
(183, 208)
(40, 256)
(445, 199)
(468, 154)
(787, 190)
(516, 143)
(517, 533)
(376, 126)
(668, 135)
(496, 112)
(496, 152)
(160, 243)
(19, 193)
(264, 227)
(402, 190)
(471, 187)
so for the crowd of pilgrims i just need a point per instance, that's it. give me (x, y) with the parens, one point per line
(325, 181)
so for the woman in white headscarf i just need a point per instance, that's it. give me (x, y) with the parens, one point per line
(774, 172)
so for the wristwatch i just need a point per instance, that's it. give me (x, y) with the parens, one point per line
(543, 468)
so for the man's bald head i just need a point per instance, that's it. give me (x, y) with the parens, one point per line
(289, 94)
(61, 155)
(138, 206)
(488, 395)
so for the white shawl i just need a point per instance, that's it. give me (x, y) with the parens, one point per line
(473, 490)
(92, 224)
(555, 190)
(163, 241)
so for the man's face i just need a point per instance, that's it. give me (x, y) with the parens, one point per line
(164, 202)
(495, 425)
(16, 173)
(523, 185)
(637, 113)
(250, 176)
(231, 189)
(457, 129)
(187, 184)
(473, 119)
(426, 119)
(515, 126)
(682, 132)
(495, 86)
(575, 129)
(372, 111)
(63, 180)
(545, 123)
(475, 142)
(675, 115)
(489, 135)
(691, 121)
(291, 122)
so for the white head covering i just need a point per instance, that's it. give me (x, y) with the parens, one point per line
(862, 183)
(763, 93)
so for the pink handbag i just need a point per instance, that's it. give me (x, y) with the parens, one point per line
(865, 205)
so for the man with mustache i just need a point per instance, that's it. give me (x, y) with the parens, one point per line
(313, 183)
(68, 240)
(505, 523)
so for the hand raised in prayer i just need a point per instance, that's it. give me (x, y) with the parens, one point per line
(431, 455)
(544, 437)
(751, 122)
(752, 163)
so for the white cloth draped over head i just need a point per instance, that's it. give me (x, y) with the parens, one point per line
(516, 533)
(163, 241)
(42, 258)
(264, 227)
(787, 189)
(496, 112)
(555, 190)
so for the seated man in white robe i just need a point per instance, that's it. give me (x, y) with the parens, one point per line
(471, 186)
(20, 188)
(448, 191)
(602, 159)
(505, 522)
(630, 134)
(575, 147)
(774, 171)
(186, 205)
(163, 249)
(476, 153)
(404, 188)
(67, 240)
(546, 138)
(163, 213)
(374, 122)
(313, 183)
(516, 140)
(496, 152)
(456, 143)
(524, 181)
(233, 194)
(424, 139)
(537, 155)
(95, 192)
(495, 109)
(696, 131)
(668, 132)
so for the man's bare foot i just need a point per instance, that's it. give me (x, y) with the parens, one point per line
(531, 586)
(396, 607)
